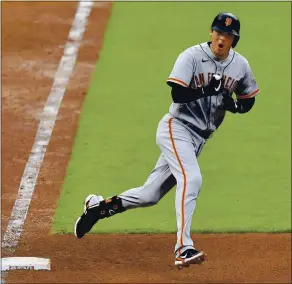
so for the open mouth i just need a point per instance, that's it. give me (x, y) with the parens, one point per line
(220, 45)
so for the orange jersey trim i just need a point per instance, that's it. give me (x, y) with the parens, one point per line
(178, 81)
(257, 91)
(185, 181)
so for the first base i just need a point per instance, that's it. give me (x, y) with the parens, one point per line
(26, 263)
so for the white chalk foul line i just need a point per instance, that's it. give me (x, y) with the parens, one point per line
(46, 125)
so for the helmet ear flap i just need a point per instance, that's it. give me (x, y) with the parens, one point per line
(235, 41)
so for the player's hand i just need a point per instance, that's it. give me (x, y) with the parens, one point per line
(229, 104)
(215, 86)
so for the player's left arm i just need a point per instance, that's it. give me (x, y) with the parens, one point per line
(239, 105)
(246, 91)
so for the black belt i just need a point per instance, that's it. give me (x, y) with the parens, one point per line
(206, 134)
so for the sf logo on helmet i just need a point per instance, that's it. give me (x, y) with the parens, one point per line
(228, 22)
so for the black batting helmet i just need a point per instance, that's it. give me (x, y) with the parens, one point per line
(229, 23)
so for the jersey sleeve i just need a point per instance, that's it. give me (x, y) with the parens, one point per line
(247, 87)
(183, 69)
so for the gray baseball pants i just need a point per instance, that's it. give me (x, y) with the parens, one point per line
(177, 165)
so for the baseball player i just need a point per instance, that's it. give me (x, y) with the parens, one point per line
(202, 82)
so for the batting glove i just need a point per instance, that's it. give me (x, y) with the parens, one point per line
(230, 104)
(215, 86)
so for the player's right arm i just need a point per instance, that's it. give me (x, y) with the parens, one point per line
(181, 76)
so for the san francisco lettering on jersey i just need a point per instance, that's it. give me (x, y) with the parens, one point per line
(203, 79)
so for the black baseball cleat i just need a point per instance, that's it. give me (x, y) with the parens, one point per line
(188, 257)
(96, 208)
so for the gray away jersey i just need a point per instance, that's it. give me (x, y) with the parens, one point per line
(194, 68)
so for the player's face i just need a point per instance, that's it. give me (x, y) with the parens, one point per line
(221, 43)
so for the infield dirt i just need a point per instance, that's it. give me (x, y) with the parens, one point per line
(33, 38)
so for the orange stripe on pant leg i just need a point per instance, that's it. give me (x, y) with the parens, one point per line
(185, 182)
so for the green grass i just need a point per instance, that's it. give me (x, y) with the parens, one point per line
(245, 166)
